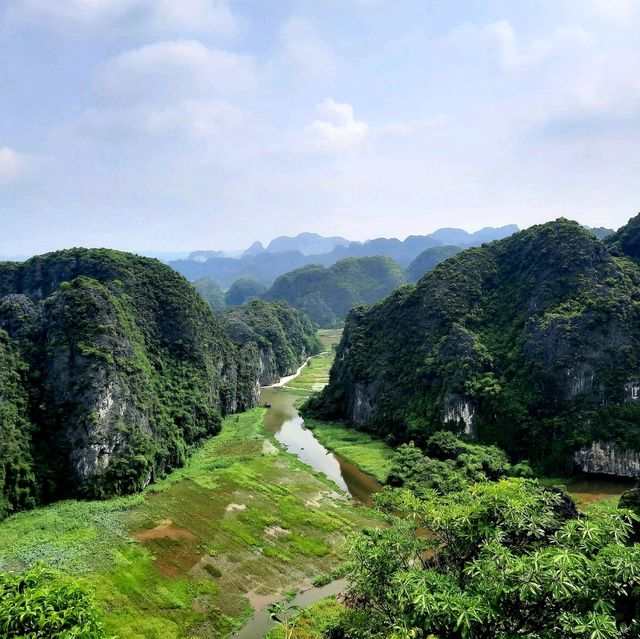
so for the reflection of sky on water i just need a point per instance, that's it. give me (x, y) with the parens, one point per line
(285, 423)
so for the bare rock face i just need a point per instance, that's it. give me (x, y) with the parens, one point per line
(460, 411)
(607, 459)
(362, 407)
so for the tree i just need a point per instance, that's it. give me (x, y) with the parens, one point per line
(496, 560)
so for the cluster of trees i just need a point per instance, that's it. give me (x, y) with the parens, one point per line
(494, 560)
(448, 464)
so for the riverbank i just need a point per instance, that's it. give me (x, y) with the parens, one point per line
(371, 455)
(239, 525)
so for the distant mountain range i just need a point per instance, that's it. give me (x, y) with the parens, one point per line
(285, 254)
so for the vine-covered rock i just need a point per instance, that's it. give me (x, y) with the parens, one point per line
(111, 368)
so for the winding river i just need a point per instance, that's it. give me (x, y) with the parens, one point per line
(284, 422)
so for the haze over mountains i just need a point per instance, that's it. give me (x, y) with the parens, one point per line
(285, 254)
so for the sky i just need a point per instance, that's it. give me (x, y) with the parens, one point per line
(208, 124)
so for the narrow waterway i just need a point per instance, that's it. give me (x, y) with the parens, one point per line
(285, 423)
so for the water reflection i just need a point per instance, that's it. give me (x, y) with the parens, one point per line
(284, 421)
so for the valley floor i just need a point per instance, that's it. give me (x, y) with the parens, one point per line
(240, 525)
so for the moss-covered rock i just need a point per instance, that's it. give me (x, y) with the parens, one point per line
(112, 367)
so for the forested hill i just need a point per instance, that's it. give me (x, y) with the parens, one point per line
(284, 336)
(111, 368)
(532, 342)
(327, 294)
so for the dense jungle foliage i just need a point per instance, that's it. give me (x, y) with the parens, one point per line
(211, 293)
(112, 368)
(531, 343)
(448, 464)
(495, 560)
(327, 294)
(243, 290)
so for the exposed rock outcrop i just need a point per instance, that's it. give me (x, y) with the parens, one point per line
(606, 458)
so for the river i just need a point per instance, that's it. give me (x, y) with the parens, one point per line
(284, 422)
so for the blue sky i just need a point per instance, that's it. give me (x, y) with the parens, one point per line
(165, 125)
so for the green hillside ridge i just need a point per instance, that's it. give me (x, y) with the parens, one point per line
(284, 336)
(244, 290)
(531, 343)
(327, 294)
(211, 292)
(113, 368)
(428, 260)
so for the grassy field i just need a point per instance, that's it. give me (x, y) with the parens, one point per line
(315, 375)
(371, 455)
(239, 525)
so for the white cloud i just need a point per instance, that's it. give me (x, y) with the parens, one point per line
(514, 57)
(303, 46)
(338, 129)
(164, 70)
(122, 16)
(414, 127)
(197, 119)
(618, 10)
(12, 165)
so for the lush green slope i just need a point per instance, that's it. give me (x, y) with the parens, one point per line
(242, 291)
(429, 259)
(211, 292)
(284, 336)
(530, 342)
(112, 368)
(327, 294)
(18, 487)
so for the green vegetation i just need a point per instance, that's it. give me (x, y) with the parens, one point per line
(500, 559)
(241, 522)
(18, 485)
(428, 260)
(113, 368)
(43, 603)
(449, 465)
(327, 294)
(371, 455)
(528, 343)
(244, 290)
(313, 622)
(283, 335)
(211, 292)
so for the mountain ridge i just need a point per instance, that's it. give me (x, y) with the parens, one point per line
(534, 334)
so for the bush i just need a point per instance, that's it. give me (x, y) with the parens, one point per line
(43, 603)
